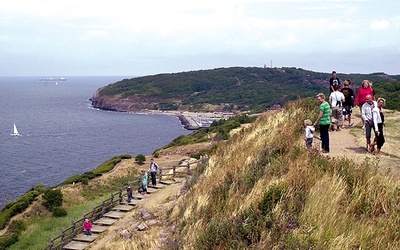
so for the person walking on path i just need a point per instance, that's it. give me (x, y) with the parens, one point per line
(129, 193)
(87, 226)
(144, 182)
(333, 82)
(378, 118)
(153, 172)
(336, 100)
(366, 116)
(349, 101)
(323, 121)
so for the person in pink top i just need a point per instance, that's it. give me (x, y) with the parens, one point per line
(87, 226)
(362, 93)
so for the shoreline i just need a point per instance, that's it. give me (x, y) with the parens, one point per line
(191, 120)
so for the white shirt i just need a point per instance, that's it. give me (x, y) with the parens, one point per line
(309, 132)
(336, 97)
(366, 111)
(376, 116)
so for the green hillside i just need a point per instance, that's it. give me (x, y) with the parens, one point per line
(229, 89)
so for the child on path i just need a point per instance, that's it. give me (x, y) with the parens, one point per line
(129, 193)
(144, 182)
(87, 226)
(308, 133)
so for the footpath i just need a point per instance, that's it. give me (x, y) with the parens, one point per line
(344, 144)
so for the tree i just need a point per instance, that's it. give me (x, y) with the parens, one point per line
(53, 198)
(140, 158)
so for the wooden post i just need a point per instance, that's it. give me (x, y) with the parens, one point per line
(188, 167)
(62, 237)
(160, 175)
(173, 170)
(120, 194)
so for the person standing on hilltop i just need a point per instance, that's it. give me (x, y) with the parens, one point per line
(348, 104)
(334, 81)
(336, 100)
(379, 119)
(366, 116)
(153, 172)
(362, 93)
(324, 122)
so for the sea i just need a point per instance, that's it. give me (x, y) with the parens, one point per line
(63, 135)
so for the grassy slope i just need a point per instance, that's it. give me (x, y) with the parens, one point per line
(262, 191)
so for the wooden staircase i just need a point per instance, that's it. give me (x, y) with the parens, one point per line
(82, 241)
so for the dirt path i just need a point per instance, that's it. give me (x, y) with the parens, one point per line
(344, 144)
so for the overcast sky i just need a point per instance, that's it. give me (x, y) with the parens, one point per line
(132, 38)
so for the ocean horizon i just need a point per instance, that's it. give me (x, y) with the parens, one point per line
(63, 135)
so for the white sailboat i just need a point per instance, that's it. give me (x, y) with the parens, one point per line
(15, 131)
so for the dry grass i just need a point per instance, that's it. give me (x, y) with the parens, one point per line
(262, 190)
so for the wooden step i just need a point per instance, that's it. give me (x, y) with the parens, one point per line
(152, 190)
(124, 208)
(158, 186)
(105, 221)
(167, 182)
(99, 228)
(86, 238)
(115, 214)
(138, 196)
(76, 245)
(132, 204)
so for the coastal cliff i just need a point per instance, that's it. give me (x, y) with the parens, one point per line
(118, 103)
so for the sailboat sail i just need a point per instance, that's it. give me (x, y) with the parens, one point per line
(15, 131)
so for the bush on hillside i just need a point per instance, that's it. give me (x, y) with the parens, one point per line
(140, 158)
(59, 212)
(53, 198)
(14, 207)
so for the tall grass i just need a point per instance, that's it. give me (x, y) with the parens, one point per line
(262, 189)
(40, 230)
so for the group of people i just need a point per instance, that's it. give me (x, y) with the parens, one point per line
(340, 104)
(153, 168)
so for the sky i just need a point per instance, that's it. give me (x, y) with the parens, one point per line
(137, 38)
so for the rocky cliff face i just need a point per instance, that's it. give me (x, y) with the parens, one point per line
(118, 103)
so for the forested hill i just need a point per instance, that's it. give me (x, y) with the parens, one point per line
(229, 89)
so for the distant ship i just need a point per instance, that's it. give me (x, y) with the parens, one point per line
(53, 79)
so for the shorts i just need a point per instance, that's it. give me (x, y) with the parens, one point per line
(347, 110)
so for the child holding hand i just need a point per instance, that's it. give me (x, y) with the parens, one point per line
(308, 133)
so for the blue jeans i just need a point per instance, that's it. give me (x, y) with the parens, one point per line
(153, 178)
(324, 133)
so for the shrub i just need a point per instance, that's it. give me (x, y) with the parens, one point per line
(53, 197)
(88, 175)
(85, 181)
(59, 212)
(140, 158)
(17, 226)
(8, 241)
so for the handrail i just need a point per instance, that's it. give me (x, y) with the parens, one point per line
(67, 234)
